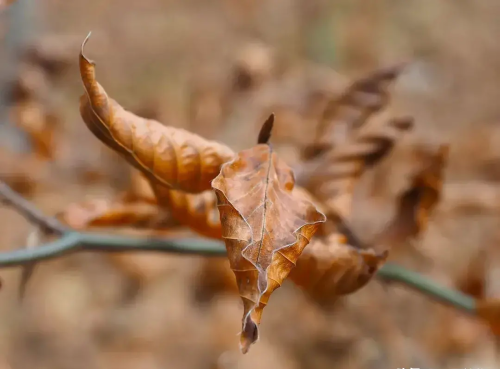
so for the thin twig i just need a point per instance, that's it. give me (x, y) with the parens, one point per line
(75, 241)
(416, 281)
(32, 242)
(45, 225)
(72, 241)
(48, 224)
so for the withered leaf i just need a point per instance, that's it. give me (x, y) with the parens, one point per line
(140, 189)
(489, 311)
(352, 109)
(5, 3)
(173, 157)
(22, 172)
(104, 213)
(331, 176)
(265, 227)
(40, 125)
(197, 211)
(330, 267)
(415, 205)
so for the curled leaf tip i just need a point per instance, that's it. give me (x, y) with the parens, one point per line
(265, 131)
(249, 336)
(83, 47)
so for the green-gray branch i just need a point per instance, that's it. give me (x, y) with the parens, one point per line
(72, 241)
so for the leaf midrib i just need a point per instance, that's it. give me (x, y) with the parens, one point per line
(265, 206)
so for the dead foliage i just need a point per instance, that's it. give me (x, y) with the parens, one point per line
(104, 213)
(169, 156)
(255, 207)
(265, 226)
(276, 222)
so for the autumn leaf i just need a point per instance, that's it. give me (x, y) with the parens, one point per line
(173, 157)
(415, 204)
(105, 213)
(39, 124)
(330, 267)
(5, 3)
(197, 211)
(363, 98)
(140, 189)
(265, 226)
(331, 177)
(23, 172)
(489, 311)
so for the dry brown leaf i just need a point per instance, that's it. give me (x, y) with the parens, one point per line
(489, 310)
(140, 189)
(330, 267)
(197, 211)
(51, 53)
(39, 124)
(265, 226)
(172, 157)
(415, 205)
(215, 277)
(104, 213)
(24, 173)
(473, 280)
(363, 98)
(331, 177)
(5, 3)
(31, 82)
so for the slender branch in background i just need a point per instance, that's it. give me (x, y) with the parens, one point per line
(45, 225)
(11, 198)
(396, 273)
(73, 241)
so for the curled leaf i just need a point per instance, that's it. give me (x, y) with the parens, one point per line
(104, 213)
(331, 177)
(265, 227)
(197, 211)
(173, 157)
(363, 98)
(330, 267)
(415, 204)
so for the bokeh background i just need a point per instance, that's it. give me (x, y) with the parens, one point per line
(218, 68)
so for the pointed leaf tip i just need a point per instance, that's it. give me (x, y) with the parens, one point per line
(83, 47)
(265, 131)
